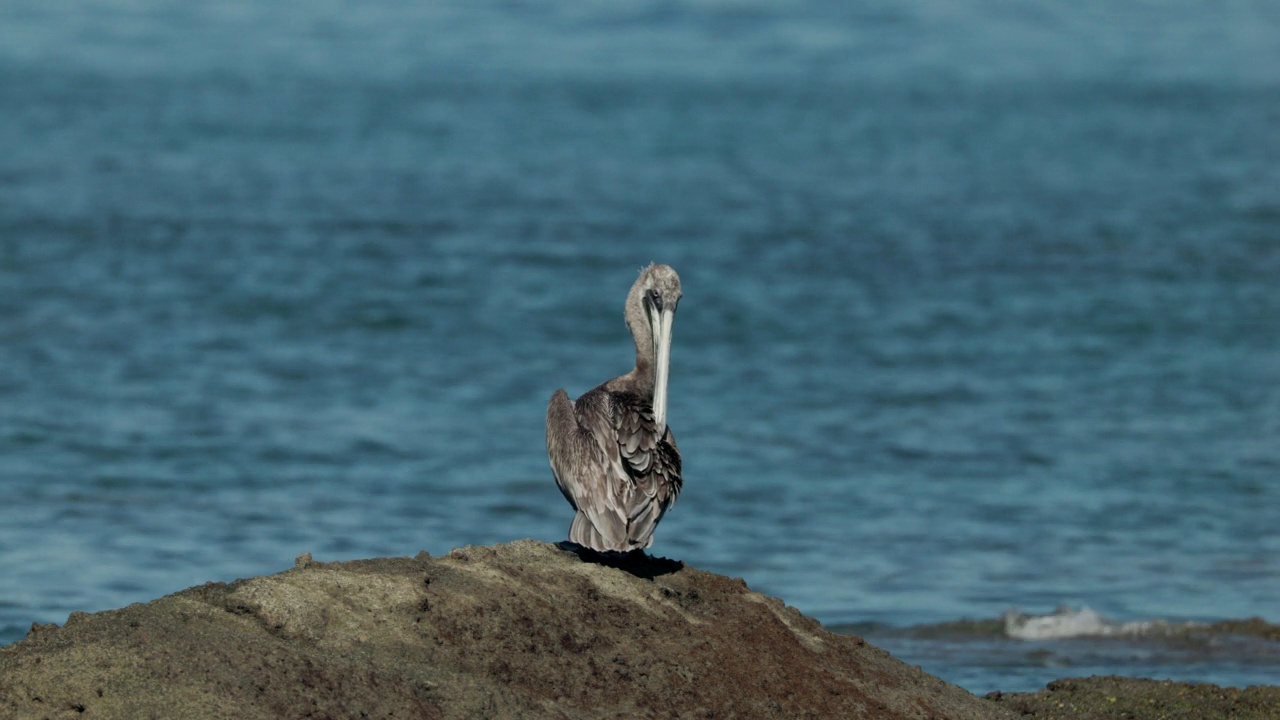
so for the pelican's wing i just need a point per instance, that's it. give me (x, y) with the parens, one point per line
(581, 444)
(651, 463)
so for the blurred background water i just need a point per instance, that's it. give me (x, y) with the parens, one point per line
(981, 301)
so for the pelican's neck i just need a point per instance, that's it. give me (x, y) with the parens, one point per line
(647, 378)
(640, 379)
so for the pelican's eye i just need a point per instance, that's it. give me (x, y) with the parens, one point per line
(654, 298)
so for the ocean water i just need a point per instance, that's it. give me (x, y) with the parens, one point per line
(979, 352)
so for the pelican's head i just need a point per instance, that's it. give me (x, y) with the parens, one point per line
(651, 308)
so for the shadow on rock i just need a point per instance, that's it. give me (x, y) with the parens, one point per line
(636, 562)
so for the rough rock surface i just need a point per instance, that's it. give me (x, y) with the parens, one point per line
(1105, 698)
(518, 630)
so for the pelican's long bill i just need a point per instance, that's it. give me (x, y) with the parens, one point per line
(660, 320)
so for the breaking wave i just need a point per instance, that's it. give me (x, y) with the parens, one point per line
(1022, 651)
(1065, 623)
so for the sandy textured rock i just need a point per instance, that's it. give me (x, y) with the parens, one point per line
(517, 630)
(1104, 698)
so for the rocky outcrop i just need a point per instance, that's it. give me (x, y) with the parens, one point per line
(518, 630)
(1117, 698)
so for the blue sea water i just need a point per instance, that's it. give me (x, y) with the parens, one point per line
(981, 312)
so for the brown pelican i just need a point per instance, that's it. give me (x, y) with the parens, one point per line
(613, 455)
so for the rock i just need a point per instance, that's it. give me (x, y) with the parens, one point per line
(517, 630)
(1106, 697)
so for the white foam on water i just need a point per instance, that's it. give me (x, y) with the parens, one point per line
(1065, 623)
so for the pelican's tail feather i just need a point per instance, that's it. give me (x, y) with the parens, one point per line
(584, 533)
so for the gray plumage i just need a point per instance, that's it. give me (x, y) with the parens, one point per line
(613, 455)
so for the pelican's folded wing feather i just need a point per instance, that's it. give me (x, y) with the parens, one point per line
(581, 445)
(651, 463)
